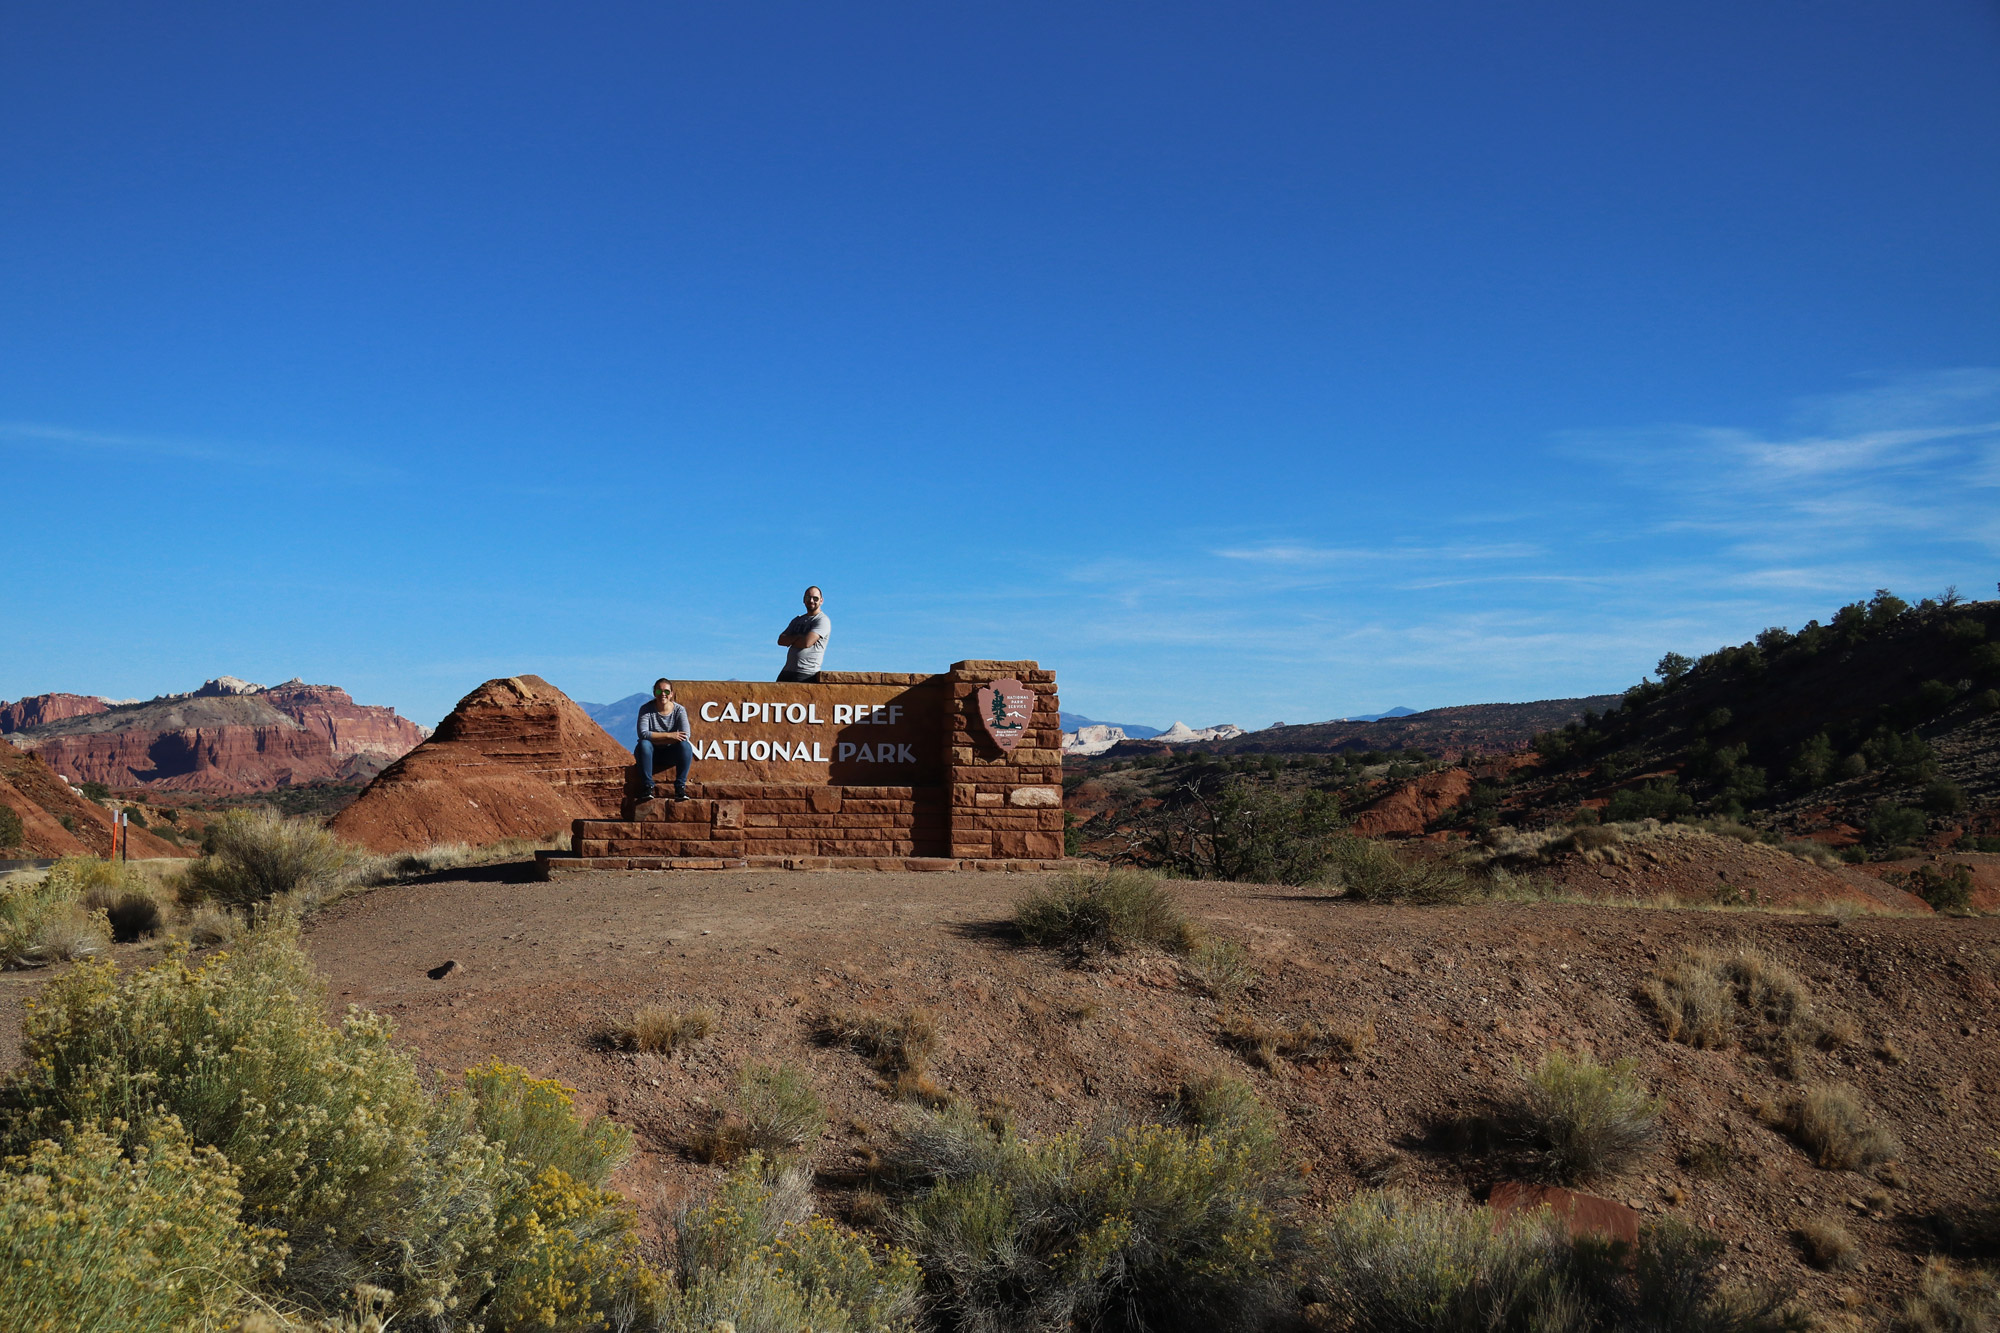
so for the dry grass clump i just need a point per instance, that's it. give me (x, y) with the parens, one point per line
(1951, 1300)
(44, 920)
(132, 913)
(774, 1111)
(440, 856)
(1829, 1122)
(1710, 999)
(1584, 1120)
(660, 1031)
(1826, 1243)
(209, 925)
(1388, 1264)
(1267, 1046)
(1108, 911)
(899, 1045)
(1220, 967)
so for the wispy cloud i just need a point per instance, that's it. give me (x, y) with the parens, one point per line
(321, 462)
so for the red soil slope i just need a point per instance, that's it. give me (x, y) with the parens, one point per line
(33, 791)
(516, 759)
(1413, 805)
(228, 743)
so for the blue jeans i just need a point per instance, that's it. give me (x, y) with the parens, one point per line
(679, 752)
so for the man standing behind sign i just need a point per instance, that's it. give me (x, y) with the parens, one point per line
(806, 636)
(664, 723)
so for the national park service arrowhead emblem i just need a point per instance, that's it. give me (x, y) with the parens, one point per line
(1004, 709)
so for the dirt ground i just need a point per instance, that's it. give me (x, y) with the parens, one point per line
(1456, 996)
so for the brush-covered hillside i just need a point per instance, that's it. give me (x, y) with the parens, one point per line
(1879, 727)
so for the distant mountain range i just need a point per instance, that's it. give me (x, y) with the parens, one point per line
(1077, 721)
(1397, 711)
(620, 720)
(230, 737)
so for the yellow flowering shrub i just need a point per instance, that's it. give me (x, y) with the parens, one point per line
(94, 1239)
(570, 1259)
(534, 1121)
(334, 1138)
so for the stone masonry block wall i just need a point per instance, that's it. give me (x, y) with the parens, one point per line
(1006, 806)
(970, 800)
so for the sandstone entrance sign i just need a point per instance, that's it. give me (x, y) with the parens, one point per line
(843, 733)
(877, 770)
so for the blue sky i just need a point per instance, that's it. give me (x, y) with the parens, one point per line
(1242, 363)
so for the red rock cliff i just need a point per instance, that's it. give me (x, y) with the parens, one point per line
(228, 741)
(38, 710)
(516, 759)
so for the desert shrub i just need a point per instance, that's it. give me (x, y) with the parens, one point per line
(1143, 1227)
(755, 1257)
(663, 1031)
(566, 1250)
(1947, 888)
(209, 925)
(1391, 1265)
(1945, 797)
(1813, 765)
(12, 831)
(1267, 1045)
(96, 1240)
(1661, 799)
(1890, 826)
(334, 1139)
(1830, 1123)
(1375, 872)
(1979, 843)
(44, 921)
(1711, 999)
(1259, 835)
(774, 1111)
(1584, 1120)
(96, 791)
(1951, 1300)
(1087, 911)
(250, 857)
(1987, 701)
(1826, 1243)
(1907, 756)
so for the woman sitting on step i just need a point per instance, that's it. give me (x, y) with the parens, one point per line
(663, 725)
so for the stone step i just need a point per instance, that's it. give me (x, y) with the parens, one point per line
(554, 864)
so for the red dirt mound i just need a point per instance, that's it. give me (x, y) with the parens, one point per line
(33, 791)
(1412, 806)
(516, 759)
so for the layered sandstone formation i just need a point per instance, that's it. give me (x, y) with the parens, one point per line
(57, 821)
(516, 759)
(229, 737)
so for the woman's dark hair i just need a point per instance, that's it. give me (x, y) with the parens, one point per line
(662, 681)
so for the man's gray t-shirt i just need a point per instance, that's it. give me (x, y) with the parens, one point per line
(806, 661)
